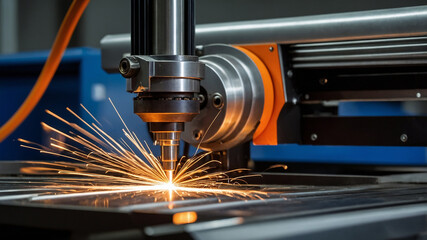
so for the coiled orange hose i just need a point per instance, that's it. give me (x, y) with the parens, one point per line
(60, 44)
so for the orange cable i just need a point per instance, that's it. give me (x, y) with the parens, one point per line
(60, 44)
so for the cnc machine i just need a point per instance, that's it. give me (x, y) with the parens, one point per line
(228, 88)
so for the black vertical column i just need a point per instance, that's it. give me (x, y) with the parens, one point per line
(190, 27)
(140, 27)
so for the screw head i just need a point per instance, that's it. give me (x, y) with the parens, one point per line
(129, 67)
(217, 101)
(418, 95)
(323, 81)
(197, 134)
(313, 137)
(289, 73)
(124, 66)
(403, 138)
(201, 98)
(271, 49)
(294, 101)
(199, 52)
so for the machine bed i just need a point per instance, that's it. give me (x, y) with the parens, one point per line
(319, 207)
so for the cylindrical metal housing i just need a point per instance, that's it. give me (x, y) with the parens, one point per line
(169, 143)
(235, 100)
(167, 86)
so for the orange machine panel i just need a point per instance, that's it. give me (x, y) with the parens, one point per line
(268, 91)
(269, 55)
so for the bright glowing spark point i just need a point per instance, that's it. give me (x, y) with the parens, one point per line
(106, 165)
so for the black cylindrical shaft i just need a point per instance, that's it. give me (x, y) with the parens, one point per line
(190, 29)
(139, 30)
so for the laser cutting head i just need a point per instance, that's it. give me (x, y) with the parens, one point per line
(163, 71)
(167, 88)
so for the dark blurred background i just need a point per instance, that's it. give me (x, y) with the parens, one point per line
(27, 25)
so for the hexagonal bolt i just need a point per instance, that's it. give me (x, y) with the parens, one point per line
(129, 67)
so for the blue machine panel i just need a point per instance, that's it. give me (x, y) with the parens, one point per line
(79, 79)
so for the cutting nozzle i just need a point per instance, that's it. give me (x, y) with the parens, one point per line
(169, 158)
(169, 143)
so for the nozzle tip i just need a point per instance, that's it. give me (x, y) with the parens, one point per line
(169, 174)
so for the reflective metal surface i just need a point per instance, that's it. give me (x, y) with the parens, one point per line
(169, 143)
(295, 206)
(395, 22)
(162, 74)
(390, 210)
